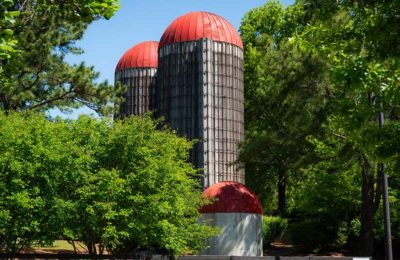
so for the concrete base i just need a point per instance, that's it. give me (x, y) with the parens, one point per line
(241, 234)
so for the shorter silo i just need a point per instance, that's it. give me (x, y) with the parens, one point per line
(137, 70)
(238, 213)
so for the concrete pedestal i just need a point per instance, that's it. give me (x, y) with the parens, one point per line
(241, 234)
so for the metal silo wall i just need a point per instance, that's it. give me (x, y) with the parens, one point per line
(178, 93)
(200, 94)
(223, 116)
(140, 94)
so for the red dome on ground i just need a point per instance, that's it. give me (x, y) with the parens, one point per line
(231, 197)
(196, 25)
(142, 55)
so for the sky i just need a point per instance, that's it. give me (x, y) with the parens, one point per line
(105, 41)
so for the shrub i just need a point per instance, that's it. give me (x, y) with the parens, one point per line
(102, 183)
(273, 229)
(318, 235)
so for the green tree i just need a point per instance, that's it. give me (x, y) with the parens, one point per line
(122, 186)
(354, 49)
(140, 192)
(34, 154)
(327, 200)
(38, 78)
(285, 97)
(360, 42)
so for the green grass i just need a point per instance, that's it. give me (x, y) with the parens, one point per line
(60, 245)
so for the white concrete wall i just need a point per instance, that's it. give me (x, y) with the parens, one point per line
(241, 234)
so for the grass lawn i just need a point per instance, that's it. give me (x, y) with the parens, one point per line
(59, 246)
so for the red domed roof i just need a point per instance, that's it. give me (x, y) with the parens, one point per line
(196, 25)
(231, 197)
(142, 55)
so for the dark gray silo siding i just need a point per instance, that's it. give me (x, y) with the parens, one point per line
(200, 94)
(140, 94)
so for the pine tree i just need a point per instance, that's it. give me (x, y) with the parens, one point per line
(38, 78)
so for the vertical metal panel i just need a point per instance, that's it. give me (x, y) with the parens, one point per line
(140, 95)
(224, 110)
(200, 94)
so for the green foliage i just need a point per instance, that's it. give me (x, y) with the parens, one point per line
(7, 40)
(327, 208)
(273, 229)
(316, 75)
(34, 154)
(112, 184)
(357, 39)
(285, 98)
(144, 196)
(38, 78)
(312, 235)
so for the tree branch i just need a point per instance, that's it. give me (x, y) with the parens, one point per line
(51, 100)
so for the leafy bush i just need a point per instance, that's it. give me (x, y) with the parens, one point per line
(102, 183)
(273, 229)
(311, 234)
(317, 234)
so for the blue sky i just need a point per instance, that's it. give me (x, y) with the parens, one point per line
(105, 41)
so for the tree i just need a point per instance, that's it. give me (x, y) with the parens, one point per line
(122, 186)
(285, 93)
(38, 78)
(34, 154)
(327, 206)
(140, 192)
(360, 42)
(354, 48)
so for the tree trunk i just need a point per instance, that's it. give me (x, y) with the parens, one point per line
(281, 192)
(74, 246)
(91, 248)
(6, 105)
(366, 246)
(369, 205)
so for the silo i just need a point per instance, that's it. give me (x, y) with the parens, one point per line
(238, 214)
(137, 70)
(200, 90)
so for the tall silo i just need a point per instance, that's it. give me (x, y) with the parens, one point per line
(200, 90)
(137, 69)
